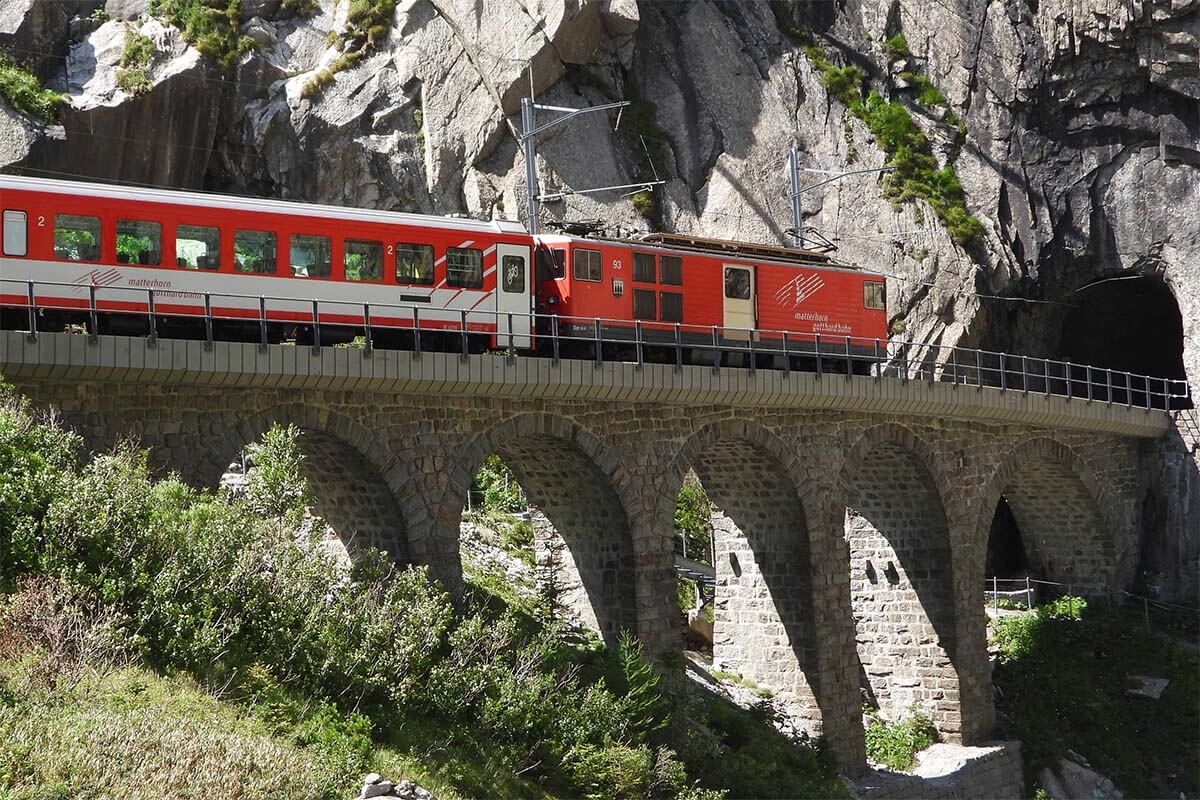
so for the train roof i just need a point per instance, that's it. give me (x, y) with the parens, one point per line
(692, 245)
(212, 200)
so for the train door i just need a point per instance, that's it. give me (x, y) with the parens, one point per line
(739, 301)
(512, 295)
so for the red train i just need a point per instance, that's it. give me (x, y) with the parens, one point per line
(295, 263)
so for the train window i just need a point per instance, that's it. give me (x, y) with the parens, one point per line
(586, 266)
(310, 256)
(514, 274)
(76, 238)
(551, 264)
(16, 234)
(197, 247)
(672, 270)
(464, 268)
(364, 261)
(644, 267)
(670, 306)
(414, 264)
(139, 242)
(643, 304)
(737, 283)
(875, 296)
(254, 251)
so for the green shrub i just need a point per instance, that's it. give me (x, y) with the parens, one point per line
(24, 93)
(499, 487)
(1066, 607)
(211, 26)
(896, 48)
(643, 203)
(693, 519)
(896, 745)
(233, 588)
(917, 174)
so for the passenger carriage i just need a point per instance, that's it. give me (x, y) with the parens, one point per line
(114, 258)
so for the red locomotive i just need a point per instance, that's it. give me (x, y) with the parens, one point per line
(102, 254)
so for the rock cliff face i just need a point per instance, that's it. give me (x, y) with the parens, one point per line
(1081, 151)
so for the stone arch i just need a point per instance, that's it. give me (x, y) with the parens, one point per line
(902, 577)
(584, 496)
(1060, 509)
(353, 478)
(765, 618)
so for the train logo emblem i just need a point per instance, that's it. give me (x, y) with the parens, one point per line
(800, 289)
(99, 277)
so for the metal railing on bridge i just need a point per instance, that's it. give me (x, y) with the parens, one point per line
(600, 339)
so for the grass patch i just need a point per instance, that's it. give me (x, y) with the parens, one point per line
(917, 174)
(896, 745)
(745, 683)
(211, 26)
(25, 94)
(120, 732)
(368, 23)
(1062, 674)
(134, 64)
(896, 48)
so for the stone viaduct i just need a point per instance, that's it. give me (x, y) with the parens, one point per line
(852, 514)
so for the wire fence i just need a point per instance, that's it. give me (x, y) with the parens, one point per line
(1027, 593)
(596, 338)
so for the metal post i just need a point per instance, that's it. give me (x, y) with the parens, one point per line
(849, 360)
(262, 323)
(416, 332)
(716, 340)
(599, 342)
(817, 348)
(466, 341)
(954, 365)
(529, 141)
(512, 342)
(554, 336)
(878, 363)
(316, 346)
(678, 347)
(1070, 388)
(995, 593)
(793, 169)
(752, 351)
(1003, 372)
(1108, 384)
(150, 317)
(1046, 372)
(1166, 394)
(369, 345)
(979, 370)
(787, 359)
(1146, 381)
(208, 321)
(637, 341)
(1028, 594)
(1025, 374)
(1088, 375)
(93, 316)
(1129, 390)
(904, 353)
(32, 314)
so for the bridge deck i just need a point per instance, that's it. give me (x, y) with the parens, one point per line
(173, 361)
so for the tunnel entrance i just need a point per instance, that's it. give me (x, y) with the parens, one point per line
(1128, 323)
